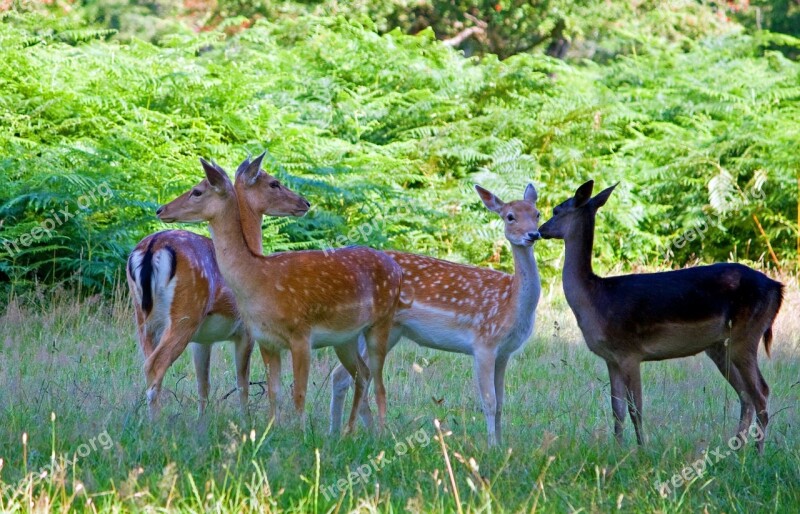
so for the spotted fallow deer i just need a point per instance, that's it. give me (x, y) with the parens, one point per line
(179, 296)
(299, 300)
(466, 309)
(723, 309)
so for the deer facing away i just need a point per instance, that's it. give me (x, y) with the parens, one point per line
(466, 309)
(179, 296)
(723, 310)
(299, 300)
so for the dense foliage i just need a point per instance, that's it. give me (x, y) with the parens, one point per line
(385, 135)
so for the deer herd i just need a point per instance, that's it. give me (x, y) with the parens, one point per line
(187, 289)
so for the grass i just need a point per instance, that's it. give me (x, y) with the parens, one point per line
(81, 362)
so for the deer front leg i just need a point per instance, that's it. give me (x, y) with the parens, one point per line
(499, 390)
(243, 349)
(201, 355)
(633, 386)
(617, 398)
(272, 363)
(485, 376)
(301, 357)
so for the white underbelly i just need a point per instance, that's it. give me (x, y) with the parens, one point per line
(437, 329)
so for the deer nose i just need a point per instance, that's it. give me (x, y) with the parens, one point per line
(308, 204)
(534, 236)
(159, 210)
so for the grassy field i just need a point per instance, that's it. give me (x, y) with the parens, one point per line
(80, 363)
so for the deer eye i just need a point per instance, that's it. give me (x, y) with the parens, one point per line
(275, 184)
(196, 192)
(510, 217)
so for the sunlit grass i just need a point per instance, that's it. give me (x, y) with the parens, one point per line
(71, 372)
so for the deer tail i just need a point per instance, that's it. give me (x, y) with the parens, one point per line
(777, 300)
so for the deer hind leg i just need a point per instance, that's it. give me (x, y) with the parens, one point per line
(719, 354)
(201, 355)
(485, 366)
(377, 337)
(752, 378)
(272, 363)
(173, 343)
(499, 390)
(618, 398)
(358, 370)
(243, 349)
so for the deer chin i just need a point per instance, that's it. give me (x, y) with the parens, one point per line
(173, 219)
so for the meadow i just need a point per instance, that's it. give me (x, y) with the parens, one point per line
(73, 387)
(371, 111)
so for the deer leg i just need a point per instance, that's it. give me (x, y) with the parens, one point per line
(377, 337)
(173, 343)
(633, 386)
(243, 349)
(201, 355)
(719, 355)
(352, 362)
(272, 362)
(144, 334)
(499, 390)
(340, 383)
(484, 362)
(301, 357)
(751, 375)
(617, 398)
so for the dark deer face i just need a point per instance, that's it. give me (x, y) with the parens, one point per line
(521, 217)
(572, 213)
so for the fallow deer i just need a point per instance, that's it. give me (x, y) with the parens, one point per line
(180, 296)
(299, 300)
(471, 310)
(724, 309)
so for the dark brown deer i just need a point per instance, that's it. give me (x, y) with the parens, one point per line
(723, 309)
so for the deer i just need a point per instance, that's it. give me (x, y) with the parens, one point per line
(179, 296)
(471, 310)
(723, 309)
(300, 300)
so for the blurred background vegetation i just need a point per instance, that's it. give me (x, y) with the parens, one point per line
(384, 113)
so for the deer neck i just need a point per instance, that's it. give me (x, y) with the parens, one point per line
(231, 249)
(577, 276)
(251, 227)
(527, 284)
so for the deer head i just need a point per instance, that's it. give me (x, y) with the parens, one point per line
(575, 211)
(206, 201)
(521, 217)
(264, 194)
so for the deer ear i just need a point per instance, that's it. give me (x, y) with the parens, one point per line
(584, 193)
(530, 194)
(242, 168)
(491, 202)
(602, 197)
(250, 172)
(216, 177)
